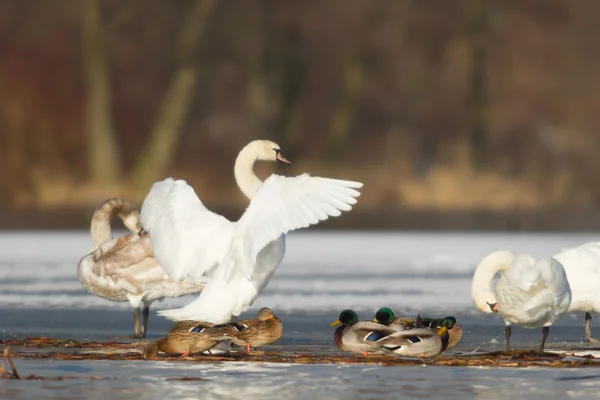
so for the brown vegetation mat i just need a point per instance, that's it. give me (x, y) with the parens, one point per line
(78, 350)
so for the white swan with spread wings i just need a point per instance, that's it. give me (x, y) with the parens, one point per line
(191, 242)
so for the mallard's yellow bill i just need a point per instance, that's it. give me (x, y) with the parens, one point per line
(337, 322)
(375, 320)
(442, 330)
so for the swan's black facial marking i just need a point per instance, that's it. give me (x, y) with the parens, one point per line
(279, 157)
(493, 307)
(142, 232)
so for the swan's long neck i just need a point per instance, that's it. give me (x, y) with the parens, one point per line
(100, 227)
(481, 291)
(245, 177)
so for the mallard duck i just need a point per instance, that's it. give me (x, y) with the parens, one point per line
(359, 336)
(415, 342)
(453, 330)
(254, 332)
(385, 316)
(370, 337)
(186, 337)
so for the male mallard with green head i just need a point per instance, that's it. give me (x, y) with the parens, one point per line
(186, 337)
(359, 336)
(453, 330)
(385, 316)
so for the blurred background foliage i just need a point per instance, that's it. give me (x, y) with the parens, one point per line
(441, 107)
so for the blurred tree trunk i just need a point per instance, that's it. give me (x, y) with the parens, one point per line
(290, 84)
(164, 137)
(103, 155)
(341, 122)
(477, 107)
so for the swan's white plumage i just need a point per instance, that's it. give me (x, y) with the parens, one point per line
(187, 238)
(582, 266)
(239, 257)
(283, 205)
(533, 293)
(529, 293)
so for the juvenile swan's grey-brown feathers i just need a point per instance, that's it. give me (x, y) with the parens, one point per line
(125, 269)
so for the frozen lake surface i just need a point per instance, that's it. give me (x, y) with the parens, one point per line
(322, 273)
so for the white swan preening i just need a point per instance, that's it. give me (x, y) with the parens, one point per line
(528, 293)
(124, 269)
(582, 265)
(240, 257)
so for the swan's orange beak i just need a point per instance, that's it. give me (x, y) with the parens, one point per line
(493, 307)
(282, 159)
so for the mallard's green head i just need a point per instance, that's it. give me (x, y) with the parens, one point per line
(448, 322)
(348, 317)
(384, 315)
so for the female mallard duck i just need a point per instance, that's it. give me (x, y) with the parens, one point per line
(453, 330)
(186, 337)
(385, 316)
(254, 332)
(369, 337)
(124, 268)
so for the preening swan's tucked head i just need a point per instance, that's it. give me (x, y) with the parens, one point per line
(481, 291)
(347, 317)
(132, 221)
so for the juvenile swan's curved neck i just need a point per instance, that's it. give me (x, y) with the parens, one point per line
(100, 228)
(481, 291)
(245, 177)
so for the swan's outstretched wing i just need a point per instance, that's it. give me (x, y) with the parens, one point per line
(188, 239)
(281, 205)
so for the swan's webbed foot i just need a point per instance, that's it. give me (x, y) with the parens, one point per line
(588, 329)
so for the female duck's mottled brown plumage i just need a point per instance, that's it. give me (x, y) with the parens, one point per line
(186, 337)
(255, 332)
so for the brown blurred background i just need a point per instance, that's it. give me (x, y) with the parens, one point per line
(463, 114)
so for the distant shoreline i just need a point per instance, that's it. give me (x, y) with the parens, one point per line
(381, 219)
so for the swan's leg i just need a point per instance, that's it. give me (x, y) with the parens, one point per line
(545, 331)
(137, 326)
(145, 315)
(507, 332)
(588, 328)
